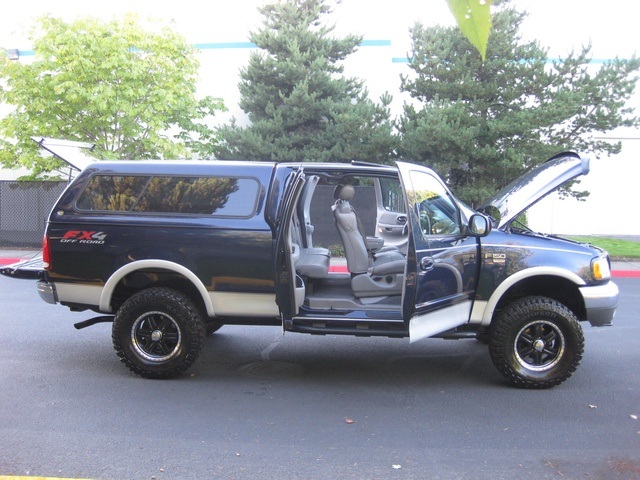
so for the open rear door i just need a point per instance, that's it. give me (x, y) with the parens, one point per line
(286, 281)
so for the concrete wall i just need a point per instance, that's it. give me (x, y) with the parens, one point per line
(612, 206)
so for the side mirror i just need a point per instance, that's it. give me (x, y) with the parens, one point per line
(479, 225)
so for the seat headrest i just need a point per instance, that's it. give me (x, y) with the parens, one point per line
(344, 192)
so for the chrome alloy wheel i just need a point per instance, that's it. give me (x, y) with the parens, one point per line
(539, 345)
(156, 336)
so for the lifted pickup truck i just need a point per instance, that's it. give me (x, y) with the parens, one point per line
(171, 251)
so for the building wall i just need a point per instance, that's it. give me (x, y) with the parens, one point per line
(610, 209)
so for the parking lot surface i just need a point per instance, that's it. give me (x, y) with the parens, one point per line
(261, 405)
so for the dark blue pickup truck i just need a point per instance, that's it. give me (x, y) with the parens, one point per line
(171, 251)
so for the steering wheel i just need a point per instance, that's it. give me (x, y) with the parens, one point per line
(444, 227)
(425, 223)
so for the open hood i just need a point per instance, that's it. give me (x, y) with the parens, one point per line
(70, 152)
(534, 185)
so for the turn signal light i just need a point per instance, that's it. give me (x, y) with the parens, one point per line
(600, 269)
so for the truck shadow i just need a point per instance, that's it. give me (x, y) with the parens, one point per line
(346, 360)
(262, 354)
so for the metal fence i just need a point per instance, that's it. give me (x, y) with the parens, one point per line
(24, 208)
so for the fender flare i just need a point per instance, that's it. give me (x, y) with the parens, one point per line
(118, 275)
(483, 311)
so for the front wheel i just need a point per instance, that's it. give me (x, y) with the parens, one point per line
(536, 342)
(158, 333)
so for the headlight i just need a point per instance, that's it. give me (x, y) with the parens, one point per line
(600, 269)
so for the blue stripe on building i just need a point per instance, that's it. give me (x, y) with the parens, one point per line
(364, 43)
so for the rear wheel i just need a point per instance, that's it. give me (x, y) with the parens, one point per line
(536, 342)
(158, 333)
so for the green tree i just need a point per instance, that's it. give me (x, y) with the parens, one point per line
(109, 83)
(299, 105)
(481, 124)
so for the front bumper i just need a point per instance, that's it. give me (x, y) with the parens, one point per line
(600, 302)
(47, 292)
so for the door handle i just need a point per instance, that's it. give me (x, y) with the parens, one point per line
(427, 263)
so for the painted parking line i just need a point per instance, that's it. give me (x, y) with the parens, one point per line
(20, 477)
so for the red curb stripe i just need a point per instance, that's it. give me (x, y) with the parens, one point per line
(9, 261)
(626, 274)
(614, 273)
(338, 269)
(343, 269)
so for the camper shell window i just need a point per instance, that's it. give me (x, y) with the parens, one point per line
(217, 196)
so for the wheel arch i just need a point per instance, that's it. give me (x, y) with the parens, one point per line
(555, 283)
(183, 280)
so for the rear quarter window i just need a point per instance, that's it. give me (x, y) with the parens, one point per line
(218, 196)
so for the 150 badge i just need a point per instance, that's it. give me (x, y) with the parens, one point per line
(495, 257)
(83, 236)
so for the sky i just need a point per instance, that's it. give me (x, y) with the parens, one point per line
(559, 25)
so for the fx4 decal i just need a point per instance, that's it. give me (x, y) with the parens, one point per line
(83, 236)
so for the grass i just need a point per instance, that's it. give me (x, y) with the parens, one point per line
(618, 249)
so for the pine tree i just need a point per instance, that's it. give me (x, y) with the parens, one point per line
(299, 104)
(482, 124)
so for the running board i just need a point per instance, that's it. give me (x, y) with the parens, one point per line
(359, 329)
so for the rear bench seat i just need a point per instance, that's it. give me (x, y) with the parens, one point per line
(311, 262)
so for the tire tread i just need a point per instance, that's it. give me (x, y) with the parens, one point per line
(510, 319)
(194, 328)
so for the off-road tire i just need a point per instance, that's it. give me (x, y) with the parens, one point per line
(536, 342)
(158, 333)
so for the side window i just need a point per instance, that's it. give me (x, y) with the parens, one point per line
(218, 196)
(392, 198)
(438, 213)
(111, 193)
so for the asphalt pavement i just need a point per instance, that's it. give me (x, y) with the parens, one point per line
(258, 404)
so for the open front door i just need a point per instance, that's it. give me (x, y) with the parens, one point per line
(442, 270)
(285, 280)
